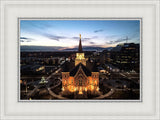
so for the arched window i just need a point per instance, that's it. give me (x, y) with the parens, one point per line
(72, 81)
(80, 82)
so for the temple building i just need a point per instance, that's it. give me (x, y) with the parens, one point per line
(81, 78)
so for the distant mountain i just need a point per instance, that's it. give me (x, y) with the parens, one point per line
(39, 48)
(109, 48)
(86, 48)
(55, 48)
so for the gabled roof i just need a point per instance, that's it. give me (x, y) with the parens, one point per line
(67, 66)
(75, 70)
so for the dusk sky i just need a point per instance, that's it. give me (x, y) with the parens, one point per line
(65, 33)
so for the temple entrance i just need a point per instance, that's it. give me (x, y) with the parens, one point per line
(80, 94)
(80, 91)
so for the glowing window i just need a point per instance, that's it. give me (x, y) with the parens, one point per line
(72, 81)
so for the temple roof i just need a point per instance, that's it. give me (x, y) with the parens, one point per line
(70, 66)
(75, 70)
(67, 66)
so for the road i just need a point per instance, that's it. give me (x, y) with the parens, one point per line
(33, 91)
(130, 78)
(53, 74)
(106, 95)
(47, 79)
(54, 95)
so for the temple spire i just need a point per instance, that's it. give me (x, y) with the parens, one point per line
(80, 45)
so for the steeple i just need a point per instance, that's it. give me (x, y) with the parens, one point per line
(80, 45)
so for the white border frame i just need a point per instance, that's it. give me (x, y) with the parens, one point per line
(3, 111)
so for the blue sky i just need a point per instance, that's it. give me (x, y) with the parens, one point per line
(65, 33)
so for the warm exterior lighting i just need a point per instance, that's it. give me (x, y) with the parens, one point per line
(75, 89)
(80, 55)
(95, 82)
(85, 89)
(80, 78)
(80, 91)
(97, 89)
(72, 90)
(40, 68)
(92, 87)
(80, 59)
(62, 88)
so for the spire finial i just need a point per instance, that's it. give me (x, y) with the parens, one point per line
(80, 36)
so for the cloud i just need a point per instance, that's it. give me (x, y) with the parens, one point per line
(100, 30)
(54, 37)
(118, 40)
(22, 41)
(76, 38)
(85, 39)
(92, 43)
(26, 39)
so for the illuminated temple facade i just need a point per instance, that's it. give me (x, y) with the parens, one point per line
(81, 80)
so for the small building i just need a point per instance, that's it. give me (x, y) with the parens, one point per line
(43, 81)
(101, 70)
